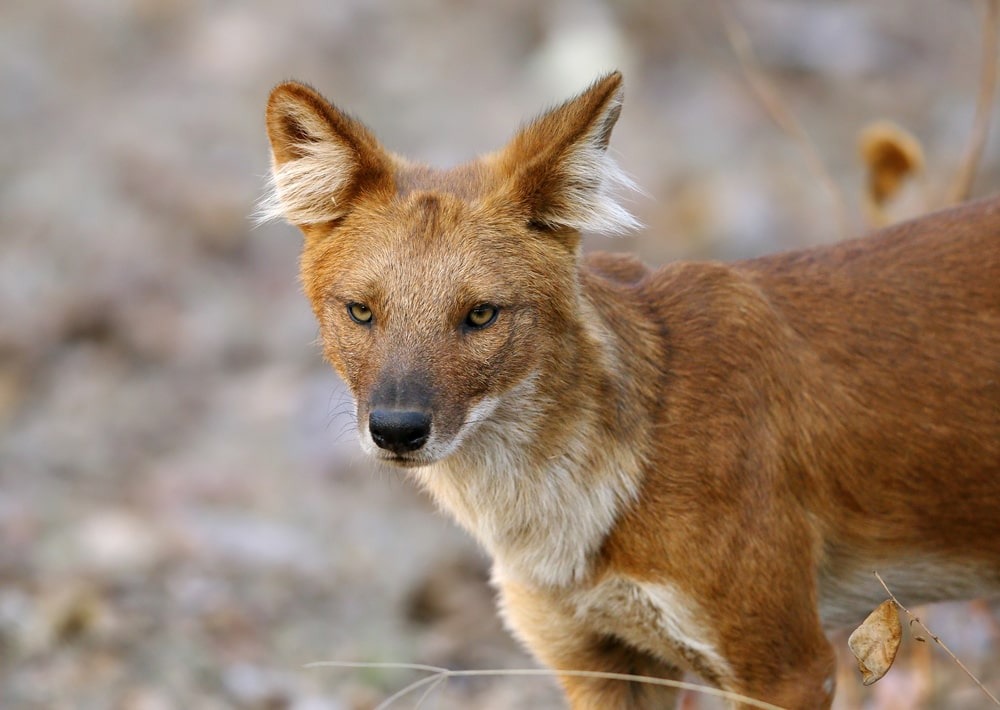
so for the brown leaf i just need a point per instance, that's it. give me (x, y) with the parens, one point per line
(891, 155)
(875, 642)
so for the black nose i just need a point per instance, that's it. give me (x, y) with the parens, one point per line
(399, 431)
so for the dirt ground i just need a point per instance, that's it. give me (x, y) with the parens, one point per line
(186, 520)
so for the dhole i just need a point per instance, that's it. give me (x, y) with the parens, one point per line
(694, 467)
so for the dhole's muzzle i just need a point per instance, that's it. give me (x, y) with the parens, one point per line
(399, 415)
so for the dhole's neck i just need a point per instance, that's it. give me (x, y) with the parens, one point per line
(542, 482)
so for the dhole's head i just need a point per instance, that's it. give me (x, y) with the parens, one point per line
(438, 293)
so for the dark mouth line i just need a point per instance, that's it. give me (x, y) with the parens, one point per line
(402, 461)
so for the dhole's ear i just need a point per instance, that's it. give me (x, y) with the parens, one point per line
(559, 169)
(321, 159)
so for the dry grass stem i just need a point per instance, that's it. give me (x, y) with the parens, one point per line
(915, 620)
(770, 99)
(962, 185)
(438, 675)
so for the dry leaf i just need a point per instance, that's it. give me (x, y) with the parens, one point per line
(875, 642)
(891, 155)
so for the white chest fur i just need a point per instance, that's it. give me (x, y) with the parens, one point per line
(657, 618)
(541, 524)
(541, 521)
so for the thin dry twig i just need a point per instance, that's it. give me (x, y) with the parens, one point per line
(771, 100)
(440, 674)
(937, 639)
(441, 680)
(962, 184)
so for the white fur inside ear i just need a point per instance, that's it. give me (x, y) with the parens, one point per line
(588, 181)
(305, 190)
(589, 202)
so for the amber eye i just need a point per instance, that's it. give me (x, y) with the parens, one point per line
(481, 316)
(360, 313)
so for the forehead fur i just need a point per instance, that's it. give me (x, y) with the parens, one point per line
(433, 242)
(470, 181)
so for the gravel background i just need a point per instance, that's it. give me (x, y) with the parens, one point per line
(185, 517)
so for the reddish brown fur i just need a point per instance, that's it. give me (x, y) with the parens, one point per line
(734, 446)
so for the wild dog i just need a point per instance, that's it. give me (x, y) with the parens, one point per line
(695, 467)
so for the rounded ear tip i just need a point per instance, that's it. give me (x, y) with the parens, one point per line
(294, 91)
(293, 86)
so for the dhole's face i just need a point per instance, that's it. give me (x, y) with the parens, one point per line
(440, 292)
(432, 309)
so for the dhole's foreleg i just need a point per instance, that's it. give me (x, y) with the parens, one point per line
(809, 685)
(770, 648)
(776, 649)
(610, 655)
(557, 639)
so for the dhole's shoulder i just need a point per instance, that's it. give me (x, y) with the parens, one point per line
(620, 268)
(676, 292)
(704, 287)
(677, 280)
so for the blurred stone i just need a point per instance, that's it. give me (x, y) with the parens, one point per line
(118, 542)
(582, 43)
(146, 699)
(821, 37)
(66, 611)
(12, 381)
(455, 607)
(251, 541)
(315, 702)
(255, 687)
(16, 610)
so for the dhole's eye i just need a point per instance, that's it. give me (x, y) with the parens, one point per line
(481, 316)
(360, 313)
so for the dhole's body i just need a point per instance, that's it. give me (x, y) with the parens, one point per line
(695, 467)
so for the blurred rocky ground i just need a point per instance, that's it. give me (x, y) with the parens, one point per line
(185, 518)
